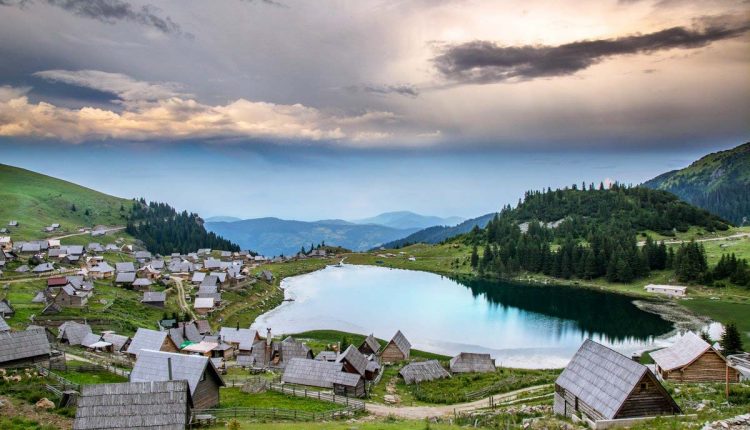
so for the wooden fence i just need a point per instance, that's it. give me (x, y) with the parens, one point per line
(298, 391)
(225, 414)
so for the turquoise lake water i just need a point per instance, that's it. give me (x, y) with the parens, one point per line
(521, 325)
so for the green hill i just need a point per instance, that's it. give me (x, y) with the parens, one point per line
(718, 182)
(37, 200)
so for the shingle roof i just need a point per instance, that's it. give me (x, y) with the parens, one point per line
(125, 267)
(90, 339)
(291, 348)
(471, 362)
(125, 278)
(355, 359)
(44, 267)
(133, 405)
(154, 366)
(146, 339)
(5, 307)
(154, 296)
(372, 343)
(327, 355)
(243, 337)
(73, 332)
(198, 277)
(117, 340)
(142, 282)
(204, 303)
(185, 332)
(4, 325)
(423, 371)
(317, 373)
(23, 344)
(686, 350)
(401, 342)
(601, 377)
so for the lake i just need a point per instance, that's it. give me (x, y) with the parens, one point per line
(521, 325)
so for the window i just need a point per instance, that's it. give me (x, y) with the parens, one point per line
(643, 386)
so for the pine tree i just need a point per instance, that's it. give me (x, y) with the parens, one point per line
(731, 341)
(474, 257)
(73, 207)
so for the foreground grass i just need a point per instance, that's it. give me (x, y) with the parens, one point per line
(386, 424)
(234, 398)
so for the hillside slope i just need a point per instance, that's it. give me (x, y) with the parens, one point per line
(438, 234)
(274, 236)
(37, 200)
(718, 182)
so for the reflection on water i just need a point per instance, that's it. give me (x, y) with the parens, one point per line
(520, 325)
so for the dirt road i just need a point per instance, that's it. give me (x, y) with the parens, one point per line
(422, 412)
(181, 296)
(106, 230)
(710, 239)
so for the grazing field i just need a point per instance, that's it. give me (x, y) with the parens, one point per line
(392, 424)
(74, 374)
(36, 201)
(234, 398)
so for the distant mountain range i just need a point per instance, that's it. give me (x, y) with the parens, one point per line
(437, 234)
(405, 219)
(718, 182)
(274, 236)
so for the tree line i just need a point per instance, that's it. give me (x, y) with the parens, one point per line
(163, 230)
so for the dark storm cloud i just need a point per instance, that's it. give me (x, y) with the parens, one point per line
(399, 89)
(484, 62)
(111, 11)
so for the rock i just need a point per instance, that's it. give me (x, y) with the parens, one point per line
(392, 398)
(44, 403)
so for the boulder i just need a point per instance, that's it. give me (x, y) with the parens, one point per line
(44, 403)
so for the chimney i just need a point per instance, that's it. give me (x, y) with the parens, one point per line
(269, 337)
(169, 367)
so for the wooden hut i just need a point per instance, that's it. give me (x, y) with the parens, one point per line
(398, 349)
(23, 347)
(422, 371)
(353, 361)
(4, 325)
(600, 384)
(324, 374)
(692, 359)
(161, 405)
(203, 379)
(369, 346)
(469, 362)
(146, 339)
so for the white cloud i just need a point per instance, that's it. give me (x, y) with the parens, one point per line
(161, 111)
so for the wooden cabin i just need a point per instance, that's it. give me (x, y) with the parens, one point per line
(353, 361)
(692, 359)
(128, 405)
(398, 349)
(324, 374)
(203, 379)
(24, 347)
(69, 297)
(601, 384)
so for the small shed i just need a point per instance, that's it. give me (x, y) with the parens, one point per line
(204, 305)
(119, 342)
(422, 371)
(6, 310)
(4, 325)
(398, 349)
(667, 290)
(692, 359)
(203, 379)
(369, 346)
(163, 405)
(469, 362)
(601, 384)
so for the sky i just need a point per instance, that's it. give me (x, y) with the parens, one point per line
(344, 109)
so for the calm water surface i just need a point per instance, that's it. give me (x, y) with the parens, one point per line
(520, 325)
